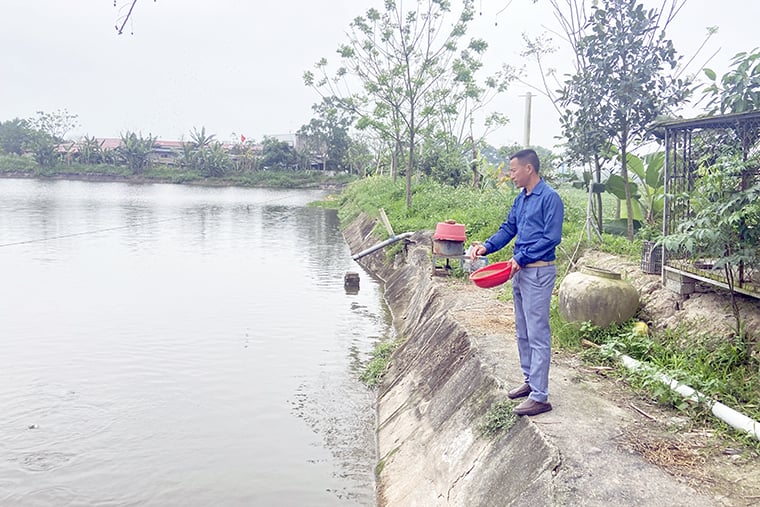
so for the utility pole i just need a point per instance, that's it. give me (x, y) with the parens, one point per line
(526, 138)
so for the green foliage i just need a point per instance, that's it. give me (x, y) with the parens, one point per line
(325, 138)
(620, 245)
(14, 163)
(200, 139)
(739, 89)
(441, 158)
(10, 164)
(106, 170)
(626, 80)
(42, 146)
(565, 335)
(55, 125)
(288, 179)
(721, 369)
(376, 367)
(381, 464)
(480, 211)
(492, 176)
(499, 418)
(91, 151)
(212, 160)
(46, 131)
(417, 77)
(725, 224)
(647, 191)
(278, 155)
(14, 134)
(135, 150)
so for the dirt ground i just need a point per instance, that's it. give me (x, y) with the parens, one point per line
(705, 458)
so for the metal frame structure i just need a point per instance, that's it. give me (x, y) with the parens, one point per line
(689, 144)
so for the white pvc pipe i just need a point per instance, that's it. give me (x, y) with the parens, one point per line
(726, 414)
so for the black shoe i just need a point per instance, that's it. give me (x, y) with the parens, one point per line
(532, 407)
(519, 392)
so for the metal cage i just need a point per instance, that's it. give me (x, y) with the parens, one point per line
(691, 144)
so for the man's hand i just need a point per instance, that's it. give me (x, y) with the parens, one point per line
(477, 250)
(515, 267)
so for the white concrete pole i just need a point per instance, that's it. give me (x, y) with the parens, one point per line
(528, 104)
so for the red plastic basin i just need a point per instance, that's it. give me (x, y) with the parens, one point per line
(492, 275)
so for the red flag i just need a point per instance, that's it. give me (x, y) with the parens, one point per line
(242, 138)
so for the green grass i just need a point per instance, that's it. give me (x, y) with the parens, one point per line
(482, 211)
(725, 370)
(500, 417)
(375, 368)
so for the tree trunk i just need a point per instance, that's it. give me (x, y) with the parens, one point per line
(475, 172)
(409, 166)
(598, 195)
(624, 174)
(394, 160)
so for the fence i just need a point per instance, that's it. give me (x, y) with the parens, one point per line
(695, 143)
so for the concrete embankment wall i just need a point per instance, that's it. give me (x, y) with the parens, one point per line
(435, 395)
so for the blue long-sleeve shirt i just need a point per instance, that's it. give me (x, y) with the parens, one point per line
(536, 220)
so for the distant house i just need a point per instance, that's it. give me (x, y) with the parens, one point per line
(108, 143)
(166, 152)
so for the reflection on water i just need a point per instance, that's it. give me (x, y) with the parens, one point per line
(170, 345)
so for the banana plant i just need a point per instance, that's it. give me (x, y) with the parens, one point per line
(648, 189)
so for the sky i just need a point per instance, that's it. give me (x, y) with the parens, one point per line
(235, 66)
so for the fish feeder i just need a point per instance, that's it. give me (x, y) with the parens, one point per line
(448, 245)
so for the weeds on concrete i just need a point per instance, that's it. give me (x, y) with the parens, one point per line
(500, 417)
(381, 464)
(375, 368)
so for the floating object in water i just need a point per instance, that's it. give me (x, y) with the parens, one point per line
(351, 280)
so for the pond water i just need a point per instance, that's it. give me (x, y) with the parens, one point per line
(176, 345)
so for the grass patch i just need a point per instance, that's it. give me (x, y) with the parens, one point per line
(375, 368)
(499, 417)
(381, 464)
(481, 211)
(329, 202)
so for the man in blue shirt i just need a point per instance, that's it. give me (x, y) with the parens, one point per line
(536, 220)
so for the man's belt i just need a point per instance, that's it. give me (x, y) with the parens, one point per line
(539, 264)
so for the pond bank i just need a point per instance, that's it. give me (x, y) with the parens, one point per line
(176, 180)
(457, 359)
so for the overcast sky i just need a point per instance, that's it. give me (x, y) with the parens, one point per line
(235, 66)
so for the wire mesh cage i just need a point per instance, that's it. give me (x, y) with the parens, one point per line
(719, 148)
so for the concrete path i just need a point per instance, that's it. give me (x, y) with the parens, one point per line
(587, 429)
